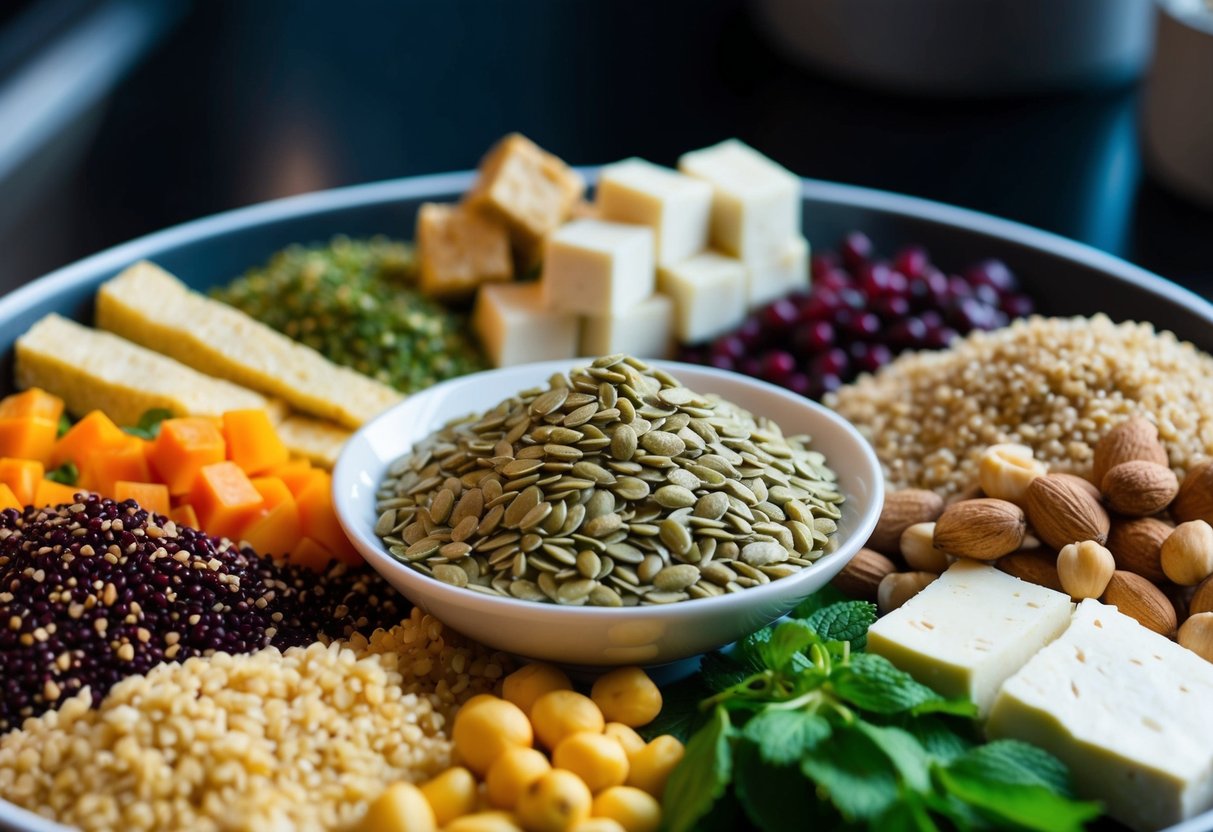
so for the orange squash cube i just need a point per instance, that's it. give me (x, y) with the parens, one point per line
(51, 493)
(183, 447)
(184, 515)
(28, 437)
(93, 432)
(309, 553)
(151, 496)
(22, 476)
(252, 441)
(319, 518)
(34, 402)
(295, 473)
(8, 499)
(224, 498)
(277, 531)
(100, 469)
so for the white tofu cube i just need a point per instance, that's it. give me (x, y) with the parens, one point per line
(593, 267)
(709, 294)
(755, 202)
(516, 327)
(645, 331)
(1126, 709)
(675, 206)
(787, 273)
(967, 632)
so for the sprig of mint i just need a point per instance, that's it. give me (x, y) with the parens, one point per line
(803, 730)
(67, 473)
(148, 426)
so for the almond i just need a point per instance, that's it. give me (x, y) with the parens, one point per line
(1137, 546)
(1061, 511)
(971, 493)
(1085, 569)
(984, 529)
(897, 588)
(1137, 598)
(1035, 567)
(1195, 498)
(1139, 488)
(901, 510)
(1079, 482)
(1134, 438)
(1202, 598)
(862, 575)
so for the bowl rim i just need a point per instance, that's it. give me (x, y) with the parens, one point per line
(346, 473)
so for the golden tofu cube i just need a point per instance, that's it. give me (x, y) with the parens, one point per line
(460, 248)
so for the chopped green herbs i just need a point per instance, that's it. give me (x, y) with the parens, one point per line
(803, 731)
(149, 423)
(355, 302)
(67, 473)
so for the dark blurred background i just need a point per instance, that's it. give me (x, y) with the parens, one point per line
(124, 116)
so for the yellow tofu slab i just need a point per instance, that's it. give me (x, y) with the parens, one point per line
(92, 370)
(316, 440)
(149, 306)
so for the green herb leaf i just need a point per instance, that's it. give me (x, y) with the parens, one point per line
(1019, 806)
(702, 776)
(749, 651)
(787, 639)
(771, 794)
(680, 713)
(1012, 761)
(909, 814)
(856, 776)
(721, 672)
(149, 423)
(67, 473)
(65, 424)
(783, 737)
(943, 741)
(904, 751)
(872, 682)
(824, 597)
(844, 621)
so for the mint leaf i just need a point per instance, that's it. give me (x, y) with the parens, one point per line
(872, 682)
(824, 597)
(721, 672)
(700, 779)
(748, 652)
(787, 639)
(943, 742)
(770, 794)
(907, 815)
(1015, 762)
(680, 713)
(906, 754)
(1030, 807)
(65, 424)
(149, 423)
(783, 737)
(845, 621)
(856, 776)
(67, 473)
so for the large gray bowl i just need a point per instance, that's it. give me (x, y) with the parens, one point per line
(1066, 277)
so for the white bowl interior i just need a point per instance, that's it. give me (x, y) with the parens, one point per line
(590, 636)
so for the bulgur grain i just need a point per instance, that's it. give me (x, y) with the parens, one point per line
(1054, 384)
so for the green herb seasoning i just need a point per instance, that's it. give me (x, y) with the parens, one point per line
(355, 302)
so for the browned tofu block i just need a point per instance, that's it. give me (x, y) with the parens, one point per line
(529, 189)
(458, 249)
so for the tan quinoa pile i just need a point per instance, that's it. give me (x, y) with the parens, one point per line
(1054, 384)
(300, 740)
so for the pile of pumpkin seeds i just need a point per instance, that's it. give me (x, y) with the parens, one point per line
(614, 486)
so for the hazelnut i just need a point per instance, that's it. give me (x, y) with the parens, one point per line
(1187, 553)
(1085, 569)
(897, 588)
(918, 549)
(1007, 470)
(1197, 635)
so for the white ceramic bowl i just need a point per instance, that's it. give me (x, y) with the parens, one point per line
(595, 636)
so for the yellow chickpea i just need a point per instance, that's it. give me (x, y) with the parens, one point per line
(556, 802)
(626, 736)
(559, 713)
(487, 728)
(528, 683)
(484, 822)
(597, 759)
(598, 825)
(512, 772)
(627, 695)
(401, 807)
(451, 794)
(651, 766)
(631, 808)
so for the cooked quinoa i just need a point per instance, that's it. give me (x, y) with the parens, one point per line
(296, 740)
(1054, 384)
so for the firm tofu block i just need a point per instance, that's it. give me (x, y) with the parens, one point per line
(787, 273)
(967, 632)
(755, 202)
(527, 188)
(677, 207)
(515, 326)
(316, 440)
(709, 294)
(149, 306)
(645, 331)
(94, 370)
(592, 267)
(459, 248)
(1126, 709)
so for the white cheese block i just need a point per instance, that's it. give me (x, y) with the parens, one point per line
(1126, 709)
(780, 276)
(709, 294)
(515, 326)
(645, 331)
(755, 202)
(967, 632)
(675, 206)
(593, 267)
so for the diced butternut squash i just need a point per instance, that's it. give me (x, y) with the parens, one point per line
(51, 493)
(320, 519)
(151, 496)
(22, 476)
(273, 492)
(184, 515)
(8, 499)
(182, 449)
(34, 402)
(102, 468)
(252, 441)
(224, 498)
(28, 437)
(277, 531)
(311, 554)
(93, 432)
(294, 473)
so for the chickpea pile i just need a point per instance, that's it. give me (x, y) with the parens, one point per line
(598, 774)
